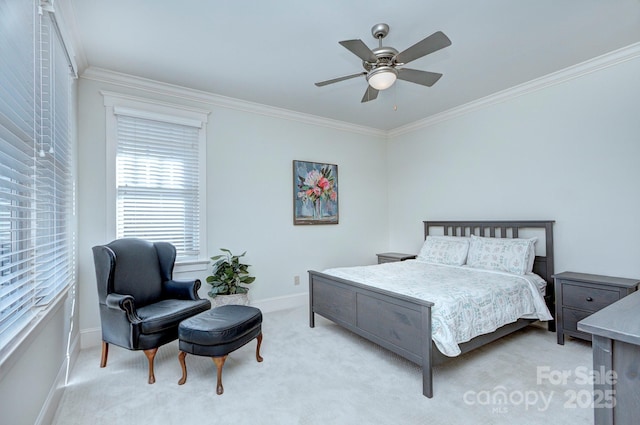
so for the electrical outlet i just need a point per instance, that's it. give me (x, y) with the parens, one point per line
(296, 280)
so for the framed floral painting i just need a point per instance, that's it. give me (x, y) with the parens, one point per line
(315, 193)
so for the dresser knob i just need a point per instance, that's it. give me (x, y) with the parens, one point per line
(589, 299)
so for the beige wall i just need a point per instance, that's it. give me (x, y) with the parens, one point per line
(249, 194)
(568, 152)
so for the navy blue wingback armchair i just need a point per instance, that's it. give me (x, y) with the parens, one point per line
(141, 305)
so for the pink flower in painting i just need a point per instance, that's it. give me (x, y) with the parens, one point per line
(317, 184)
(324, 183)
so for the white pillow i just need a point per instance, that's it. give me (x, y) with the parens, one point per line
(508, 255)
(449, 250)
(532, 256)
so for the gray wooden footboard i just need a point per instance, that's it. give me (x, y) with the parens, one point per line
(396, 322)
(403, 324)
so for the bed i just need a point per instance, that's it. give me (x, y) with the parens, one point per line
(402, 322)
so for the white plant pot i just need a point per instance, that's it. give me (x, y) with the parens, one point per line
(234, 299)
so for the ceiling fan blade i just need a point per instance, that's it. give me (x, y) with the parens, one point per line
(335, 80)
(419, 77)
(358, 48)
(434, 42)
(370, 94)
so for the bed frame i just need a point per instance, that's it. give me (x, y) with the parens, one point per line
(401, 323)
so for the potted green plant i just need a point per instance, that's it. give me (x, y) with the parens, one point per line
(228, 276)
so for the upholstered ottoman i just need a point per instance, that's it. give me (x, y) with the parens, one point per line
(216, 333)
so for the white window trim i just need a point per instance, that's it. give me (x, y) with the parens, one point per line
(162, 111)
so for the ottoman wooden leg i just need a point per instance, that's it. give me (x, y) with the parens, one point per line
(258, 357)
(183, 364)
(219, 361)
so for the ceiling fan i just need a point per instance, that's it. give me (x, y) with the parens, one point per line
(383, 64)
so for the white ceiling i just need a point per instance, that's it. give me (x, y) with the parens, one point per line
(271, 52)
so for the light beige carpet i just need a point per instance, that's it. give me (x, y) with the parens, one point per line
(328, 375)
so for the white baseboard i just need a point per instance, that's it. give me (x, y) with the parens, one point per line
(50, 405)
(281, 303)
(92, 337)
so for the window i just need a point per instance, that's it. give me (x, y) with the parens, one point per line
(157, 152)
(37, 260)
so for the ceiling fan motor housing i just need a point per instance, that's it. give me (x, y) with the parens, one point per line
(385, 57)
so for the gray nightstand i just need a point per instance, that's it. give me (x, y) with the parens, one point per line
(579, 295)
(390, 257)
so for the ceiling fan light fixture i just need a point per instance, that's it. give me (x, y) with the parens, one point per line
(382, 77)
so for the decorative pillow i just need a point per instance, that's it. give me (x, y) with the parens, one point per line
(447, 250)
(508, 255)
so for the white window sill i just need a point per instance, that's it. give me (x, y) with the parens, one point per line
(191, 266)
(22, 341)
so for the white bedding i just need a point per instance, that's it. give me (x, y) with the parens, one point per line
(467, 302)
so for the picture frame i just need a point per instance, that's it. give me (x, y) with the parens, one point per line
(315, 193)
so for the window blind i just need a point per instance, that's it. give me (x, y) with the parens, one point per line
(157, 181)
(17, 134)
(54, 213)
(36, 254)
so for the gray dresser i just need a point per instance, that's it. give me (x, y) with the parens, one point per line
(616, 348)
(579, 295)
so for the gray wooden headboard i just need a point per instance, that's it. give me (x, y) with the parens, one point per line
(543, 264)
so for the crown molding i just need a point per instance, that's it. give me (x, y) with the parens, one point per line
(576, 71)
(139, 83)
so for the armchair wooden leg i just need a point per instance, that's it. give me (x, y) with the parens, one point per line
(258, 357)
(151, 354)
(183, 364)
(105, 354)
(219, 361)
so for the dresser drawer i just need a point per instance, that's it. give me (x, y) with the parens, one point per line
(572, 317)
(588, 298)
